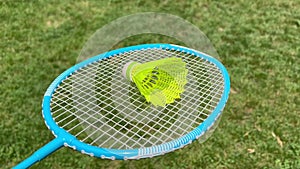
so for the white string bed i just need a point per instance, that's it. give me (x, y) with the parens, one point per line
(98, 106)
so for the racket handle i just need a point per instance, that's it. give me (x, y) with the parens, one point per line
(41, 153)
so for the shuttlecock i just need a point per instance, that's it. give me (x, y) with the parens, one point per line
(161, 81)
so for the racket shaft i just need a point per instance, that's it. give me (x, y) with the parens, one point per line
(41, 153)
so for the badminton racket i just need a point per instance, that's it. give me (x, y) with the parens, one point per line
(93, 109)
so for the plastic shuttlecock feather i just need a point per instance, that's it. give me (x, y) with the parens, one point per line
(161, 81)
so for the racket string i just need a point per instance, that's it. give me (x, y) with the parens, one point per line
(95, 94)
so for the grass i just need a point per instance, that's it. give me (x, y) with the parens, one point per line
(258, 42)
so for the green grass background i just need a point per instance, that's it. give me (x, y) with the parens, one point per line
(258, 42)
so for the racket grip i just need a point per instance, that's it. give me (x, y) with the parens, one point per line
(41, 153)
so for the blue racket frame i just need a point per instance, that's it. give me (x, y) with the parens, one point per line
(63, 138)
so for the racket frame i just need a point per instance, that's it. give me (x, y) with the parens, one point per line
(63, 138)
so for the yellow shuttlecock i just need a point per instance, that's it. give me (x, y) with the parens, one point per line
(161, 81)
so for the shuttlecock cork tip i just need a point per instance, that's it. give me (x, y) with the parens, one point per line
(127, 68)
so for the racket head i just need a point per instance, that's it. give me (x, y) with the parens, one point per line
(144, 151)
